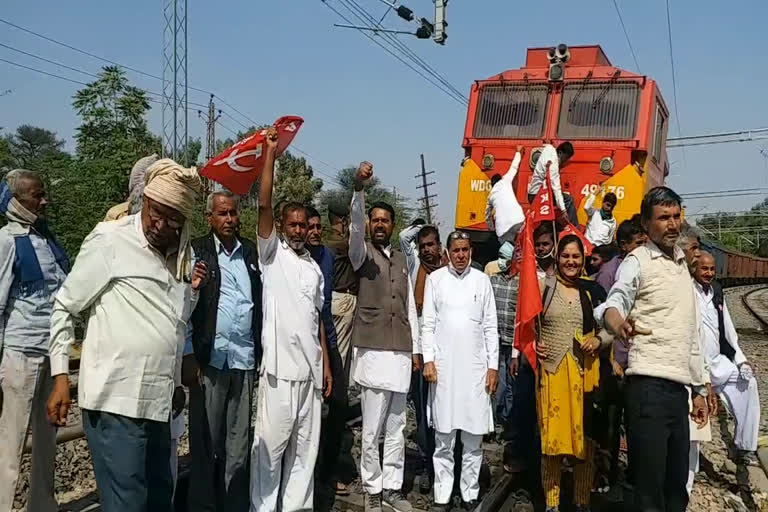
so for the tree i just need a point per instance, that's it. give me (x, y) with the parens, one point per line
(31, 143)
(113, 114)
(746, 232)
(112, 136)
(374, 192)
(295, 180)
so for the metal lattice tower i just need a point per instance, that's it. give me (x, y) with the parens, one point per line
(175, 118)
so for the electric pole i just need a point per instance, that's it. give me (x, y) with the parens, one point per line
(210, 136)
(425, 190)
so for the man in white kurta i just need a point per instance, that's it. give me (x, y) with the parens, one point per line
(384, 337)
(294, 367)
(460, 344)
(731, 375)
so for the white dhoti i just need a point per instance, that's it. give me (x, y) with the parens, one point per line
(697, 436)
(285, 445)
(382, 409)
(471, 461)
(743, 402)
(343, 312)
(177, 430)
(26, 384)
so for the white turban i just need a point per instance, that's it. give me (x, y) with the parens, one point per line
(179, 188)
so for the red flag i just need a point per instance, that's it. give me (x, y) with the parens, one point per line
(543, 207)
(570, 229)
(529, 296)
(238, 167)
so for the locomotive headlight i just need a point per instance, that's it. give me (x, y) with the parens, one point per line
(488, 160)
(606, 164)
(535, 154)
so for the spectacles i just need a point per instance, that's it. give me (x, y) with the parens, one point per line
(156, 216)
(458, 235)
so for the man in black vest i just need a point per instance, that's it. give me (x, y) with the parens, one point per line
(385, 346)
(225, 336)
(731, 375)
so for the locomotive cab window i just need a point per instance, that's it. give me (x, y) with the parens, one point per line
(659, 133)
(598, 111)
(511, 111)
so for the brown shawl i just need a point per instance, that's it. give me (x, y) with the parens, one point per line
(421, 280)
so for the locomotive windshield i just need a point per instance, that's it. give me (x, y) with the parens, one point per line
(598, 111)
(511, 111)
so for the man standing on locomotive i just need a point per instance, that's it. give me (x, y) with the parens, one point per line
(550, 161)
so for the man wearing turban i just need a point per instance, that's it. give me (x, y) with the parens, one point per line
(134, 285)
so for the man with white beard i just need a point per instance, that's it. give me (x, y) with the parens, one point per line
(460, 344)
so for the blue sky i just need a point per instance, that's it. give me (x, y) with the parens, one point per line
(284, 57)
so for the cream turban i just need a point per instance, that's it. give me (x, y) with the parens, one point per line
(179, 188)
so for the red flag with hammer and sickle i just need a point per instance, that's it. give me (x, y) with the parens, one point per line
(239, 166)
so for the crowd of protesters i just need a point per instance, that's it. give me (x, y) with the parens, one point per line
(632, 335)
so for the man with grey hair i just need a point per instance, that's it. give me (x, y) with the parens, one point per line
(32, 268)
(136, 183)
(689, 241)
(222, 353)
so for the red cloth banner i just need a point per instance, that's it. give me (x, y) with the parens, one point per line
(570, 229)
(239, 166)
(529, 296)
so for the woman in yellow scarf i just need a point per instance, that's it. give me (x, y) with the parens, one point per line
(569, 368)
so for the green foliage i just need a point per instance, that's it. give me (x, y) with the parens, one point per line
(113, 114)
(745, 232)
(374, 192)
(294, 180)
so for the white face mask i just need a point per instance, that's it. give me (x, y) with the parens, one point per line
(503, 264)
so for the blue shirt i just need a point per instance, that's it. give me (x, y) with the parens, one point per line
(233, 342)
(25, 317)
(324, 257)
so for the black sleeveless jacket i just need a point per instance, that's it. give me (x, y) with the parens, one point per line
(205, 313)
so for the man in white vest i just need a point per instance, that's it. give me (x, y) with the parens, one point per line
(460, 342)
(652, 307)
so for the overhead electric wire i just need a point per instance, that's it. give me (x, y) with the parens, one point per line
(370, 21)
(135, 70)
(672, 63)
(405, 49)
(396, 56)
(626, 35)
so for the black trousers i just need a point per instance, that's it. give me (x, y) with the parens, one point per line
(658, 442)
(425, 435)
(332, 426)
(521, 430)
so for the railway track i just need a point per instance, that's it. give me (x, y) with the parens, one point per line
(756, 301)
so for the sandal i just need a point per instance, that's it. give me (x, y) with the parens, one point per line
(341, 489)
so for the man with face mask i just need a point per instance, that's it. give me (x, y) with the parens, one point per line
(386, 346)
(522, 450)
(461, 358)
(505, 286)
(295, 371)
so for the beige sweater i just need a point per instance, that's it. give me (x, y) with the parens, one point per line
(666, 305)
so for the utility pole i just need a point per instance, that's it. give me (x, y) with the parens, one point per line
(210, 137)
(425, 200)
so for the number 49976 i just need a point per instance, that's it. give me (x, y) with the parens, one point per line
(594, 188)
